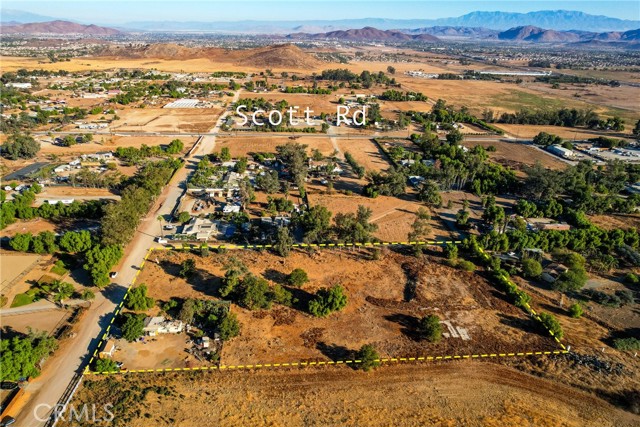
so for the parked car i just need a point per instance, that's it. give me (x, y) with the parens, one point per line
(113, 274)
(7, 421)
(8, 385)
(169, 227)
(162, 241)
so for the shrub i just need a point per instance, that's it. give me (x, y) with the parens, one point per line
(327, 301)
(551, 324)
(369, 358)
(298, 277)
(632, 279)
(531, 268)
(430, 328)
(466, 265)
(133, 327)
(137, 299)
(87, 295)
(576, 311)
(626, 344)
(188, 267)
(105, 365)
(229, 327)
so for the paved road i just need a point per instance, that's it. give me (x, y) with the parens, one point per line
(72, 357)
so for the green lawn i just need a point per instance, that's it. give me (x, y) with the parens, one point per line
(60, 271)
(22, 299)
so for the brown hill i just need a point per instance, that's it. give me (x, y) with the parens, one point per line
(277, 56)
(58, 27)
(367, 34)
(535, 34)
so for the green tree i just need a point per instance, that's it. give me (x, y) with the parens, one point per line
(188, 311)
(137, 299)
(268, 182)
(229, 327)
(87, 295)
(284, 242)
(575, 311)
(355, 228)
(225, 154)
(455, 137)
(531, 268)
(255, 293)
(429, 193)
(241, 165)
(20, 146)
(183, 217)
(100, 260)
(21, 242)
(551, 324)
(187, 268)
(75, 241)
(420, 228)
(21, 355)
(105, 365)
(327, 301)
(368, 357)
(175, 147)
(430, 328)
(61, 290)
(133, 327)
(298, 277)
(316, 222)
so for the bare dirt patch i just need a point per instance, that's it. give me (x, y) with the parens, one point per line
(387, 297)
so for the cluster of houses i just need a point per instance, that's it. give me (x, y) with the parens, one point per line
(95, 159)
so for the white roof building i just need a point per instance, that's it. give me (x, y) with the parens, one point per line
(159, 325)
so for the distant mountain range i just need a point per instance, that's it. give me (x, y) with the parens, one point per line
(527, 33)
(559, 20)
(530, 33)
(366, 34)
(57, 27)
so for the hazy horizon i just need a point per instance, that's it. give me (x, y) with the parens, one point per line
(120, 13)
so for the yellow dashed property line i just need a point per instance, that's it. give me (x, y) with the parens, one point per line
(324, 363)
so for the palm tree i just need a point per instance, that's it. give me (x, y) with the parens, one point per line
(61, 290)
(160, 218)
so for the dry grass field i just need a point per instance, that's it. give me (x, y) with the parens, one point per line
(386, 299)
(469, 393)
(517, 156)
(166, 119)
(529, 131)
(259, 142)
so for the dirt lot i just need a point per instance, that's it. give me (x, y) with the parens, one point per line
(109, 142)
(366, 153)
(517, 156)
(393, 216)
(163, 351)
(612, 221)
(445, 395)
(529, 131)
(386, 299)
(166, 119)
(253, 142)
(42, 321)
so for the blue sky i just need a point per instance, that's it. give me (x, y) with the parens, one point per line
(118, 12)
